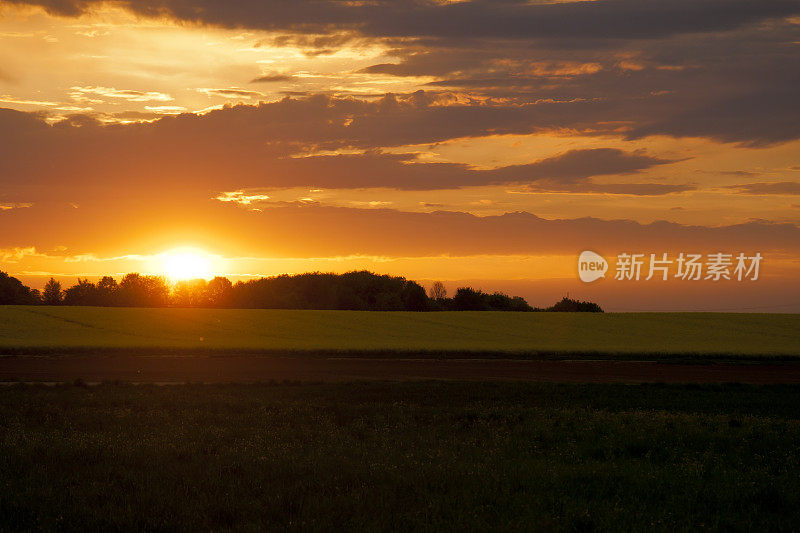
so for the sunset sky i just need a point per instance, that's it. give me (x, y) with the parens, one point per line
(481, 142)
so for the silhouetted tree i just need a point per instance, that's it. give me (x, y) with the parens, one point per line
(107, 291)
(219, 291)
(414, 298)
(438, 291)
(503, 302)
(518, 303)
(136, 290)
(82, 293)
(189, 293)
(569, 305)
(52, 293)
(13, 292)
(468, 299)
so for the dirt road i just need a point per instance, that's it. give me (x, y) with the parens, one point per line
(238, 368)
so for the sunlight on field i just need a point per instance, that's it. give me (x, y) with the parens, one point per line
(72, 329)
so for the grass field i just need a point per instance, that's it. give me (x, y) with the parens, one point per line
(389, 456)
(36, 330)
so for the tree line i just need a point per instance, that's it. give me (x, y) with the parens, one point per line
(358, 290)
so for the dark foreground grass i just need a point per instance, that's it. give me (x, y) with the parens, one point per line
(380, 456)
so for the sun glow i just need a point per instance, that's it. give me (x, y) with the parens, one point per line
(187, 263)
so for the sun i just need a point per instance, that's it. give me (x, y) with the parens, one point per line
(187, 263)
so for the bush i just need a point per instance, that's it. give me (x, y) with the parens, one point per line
(569, 305)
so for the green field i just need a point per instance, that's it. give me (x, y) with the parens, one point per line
(400, 456)
(33, 330)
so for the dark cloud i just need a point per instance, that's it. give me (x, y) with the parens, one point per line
(510, 19)
(722, 69)
(263, 146)
(735, 86)
(565, 172)
(232, 92)
(330, 123)
(630, 189)
(575, 165)
(780, 187)
(267, 78)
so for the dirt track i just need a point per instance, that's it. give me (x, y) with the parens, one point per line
(234, 368)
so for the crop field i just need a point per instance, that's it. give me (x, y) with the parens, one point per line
(400, 456)
(54, 330)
